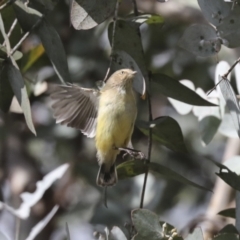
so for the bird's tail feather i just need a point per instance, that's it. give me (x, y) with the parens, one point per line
(107, 177)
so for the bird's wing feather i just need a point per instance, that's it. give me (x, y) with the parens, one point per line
(76, 107)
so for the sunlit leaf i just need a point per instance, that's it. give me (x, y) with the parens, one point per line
(230, 212)
(16, 81)
(147, 18)
(40, 225)
(147, 225)
(90, 13)
(231, 101)
(201, 40)
(32, 57)
(133, 168)
(166, 131)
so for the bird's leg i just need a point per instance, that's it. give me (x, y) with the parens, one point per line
(136, 154)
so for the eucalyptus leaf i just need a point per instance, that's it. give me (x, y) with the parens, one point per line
(133, 168)
(229, 29)
(166, 131)
(131, 44)
(230, 212)
(174, 89)
(229, 228)
(208, 128)
(215, 11)
(90, 13)
(231, 101)
(116, 234)
(28, 18)
(147, 225)
(17, 83)
(201, 40)
(226, 236)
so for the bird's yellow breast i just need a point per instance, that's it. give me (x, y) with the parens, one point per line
(116, 117)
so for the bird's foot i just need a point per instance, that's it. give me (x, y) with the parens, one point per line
(136, 154)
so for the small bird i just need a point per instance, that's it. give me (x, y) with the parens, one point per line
(108, 115)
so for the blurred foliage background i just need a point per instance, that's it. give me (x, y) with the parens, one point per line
(25, 159)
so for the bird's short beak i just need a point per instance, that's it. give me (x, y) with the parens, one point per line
(134, 72)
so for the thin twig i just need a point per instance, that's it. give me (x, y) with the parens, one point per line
(113, 38)
(135, 9)
(6, 4)
(6, 39)
(225, 76)
(150, 118)
(11, 30)
(25, 36)
(231, 68)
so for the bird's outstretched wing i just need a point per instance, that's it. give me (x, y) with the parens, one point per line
(76, 107)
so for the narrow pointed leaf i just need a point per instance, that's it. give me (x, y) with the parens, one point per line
(231, 101)
(29, 18)
(174, 89)
(226, 236)
(17, 83)
(230, 212)
(166, 131)
(133, 168)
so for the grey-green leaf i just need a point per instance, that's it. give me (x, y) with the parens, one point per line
(215, 11)
(131, 44)
(174, 89)
(133, 168)
(201, 40)
(15, 78)
(147, 225)
(51, 41)
(226, 236)
(166, 131)
(90, 13)
(208, 128)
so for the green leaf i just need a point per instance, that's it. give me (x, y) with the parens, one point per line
(90, 13)
(3, 54)
(6, 92)
(32, 57)
(15, 78)
(196, 235)
(230, 228)
(208, 128)
(51, 41)
(231, 178)
(147, 225)
(131, 44)
(174, 89)
(226, 236)
(166, 131)
(133, 168)
(230, 212)
(116, 234)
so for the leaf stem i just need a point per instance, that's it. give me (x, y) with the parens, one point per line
(231, 68)
(115, 17)
(135, 9)
(150, 118)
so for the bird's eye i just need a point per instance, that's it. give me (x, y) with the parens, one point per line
(122, 72)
